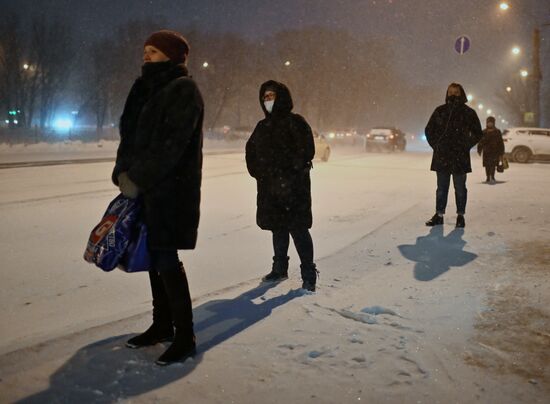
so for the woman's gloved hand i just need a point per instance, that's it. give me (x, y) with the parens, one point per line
(127, 187)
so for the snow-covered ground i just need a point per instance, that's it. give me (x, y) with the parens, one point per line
(403, 313)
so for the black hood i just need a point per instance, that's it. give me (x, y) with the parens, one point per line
(463, 98)
(283, 101)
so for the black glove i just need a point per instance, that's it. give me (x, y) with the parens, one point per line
(127, 186)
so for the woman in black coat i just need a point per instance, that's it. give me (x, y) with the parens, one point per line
(159, 160)
(278, 155)
(492, 147)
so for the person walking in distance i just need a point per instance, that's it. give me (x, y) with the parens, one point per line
(491, 146)
(453, 129)
(159, 160)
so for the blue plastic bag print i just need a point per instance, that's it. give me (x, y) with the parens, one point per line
(109, 240)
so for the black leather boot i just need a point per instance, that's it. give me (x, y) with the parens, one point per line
(183, 345)
(279, 270)
(309, 276)
(460, 222)
(162, 329)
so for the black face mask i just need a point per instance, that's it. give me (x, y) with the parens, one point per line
(454, 99)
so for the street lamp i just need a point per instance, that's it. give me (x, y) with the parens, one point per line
(489, 111)
(504, 6)
(516, 50)
(480, 106)
(524, 73)
(508, 89)
(470, 97)
(205, 65)
(26, 66)
(287, 63)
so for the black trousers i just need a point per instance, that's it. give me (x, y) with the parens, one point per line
(302, 242)
(461, 193)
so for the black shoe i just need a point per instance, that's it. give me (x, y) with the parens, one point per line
(154, 335)
(162, 329)
(279, 270)
(435, 220)
(309, 277)
(460, 222)
(182, 348)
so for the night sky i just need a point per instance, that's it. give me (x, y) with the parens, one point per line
(421, 33)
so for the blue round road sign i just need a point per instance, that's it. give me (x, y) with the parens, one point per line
(462, 44)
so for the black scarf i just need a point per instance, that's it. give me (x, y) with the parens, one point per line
(154, 77)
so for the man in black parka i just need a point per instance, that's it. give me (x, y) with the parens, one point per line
(278, 155)
(159, 160)
(492, 147)
(452, 131)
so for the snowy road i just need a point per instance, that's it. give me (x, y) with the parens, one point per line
(47, 213)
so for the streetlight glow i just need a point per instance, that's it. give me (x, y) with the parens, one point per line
(508, 89)
(524, 73)
(504, 6)
(205, 65)
(516, 50)
(470, 97)
(287, 63)
(26, 66)
(480, 106)
(489, 111)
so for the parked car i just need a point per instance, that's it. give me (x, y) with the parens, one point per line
(385, 138)
(523, 144)
(322, 148)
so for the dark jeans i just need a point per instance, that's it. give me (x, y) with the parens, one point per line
(302, 242)
(461, 193)
(490, 171)
(164, 260)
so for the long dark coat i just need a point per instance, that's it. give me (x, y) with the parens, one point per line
(161, 150)
(452, 131)
(279, 154)
(492, 147)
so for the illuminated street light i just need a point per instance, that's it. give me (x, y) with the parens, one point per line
(504, 6)
(26, 66)
(516, 50)
(470, 97)
(287, 63)
(508, 89)
(524, 73)
(489, 111)
(480, 106)
(205, 65)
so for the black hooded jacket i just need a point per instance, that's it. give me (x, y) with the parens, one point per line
(279, 154)
(161, 150)
(452, 131)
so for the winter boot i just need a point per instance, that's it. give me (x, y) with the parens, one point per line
(435, 220)
(183, 345)
(162, 329)
(309, 276)
(460, 222)
(279, 270)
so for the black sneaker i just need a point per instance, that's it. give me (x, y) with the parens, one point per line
(435, 220)
(460, 222)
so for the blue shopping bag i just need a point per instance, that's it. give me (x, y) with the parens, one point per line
(109, 240)
(136, 258)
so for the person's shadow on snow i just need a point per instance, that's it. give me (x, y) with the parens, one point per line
(435, 253)
(106, 371)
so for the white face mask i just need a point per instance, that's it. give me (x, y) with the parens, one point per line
(269, 105)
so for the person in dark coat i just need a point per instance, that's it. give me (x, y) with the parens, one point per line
(278, 155)
(159, 160)
(452, 131)
(492, 147)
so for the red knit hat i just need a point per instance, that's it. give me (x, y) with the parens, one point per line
(171, 43)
